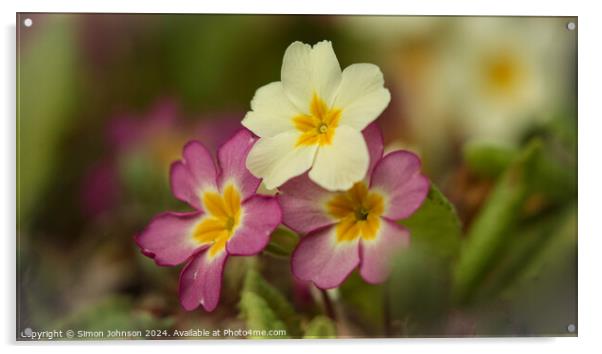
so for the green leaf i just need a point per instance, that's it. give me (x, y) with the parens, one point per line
(259, 315)
(491, 226)
(435, 226)
(320, 327)
(276, 303)
(486, 159)
(282, 243)
(273, 249)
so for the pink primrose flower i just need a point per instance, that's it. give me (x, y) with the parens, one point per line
(357, 227)
(229, 219)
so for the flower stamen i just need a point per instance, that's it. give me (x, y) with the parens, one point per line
(361, 214)
(358, 212)
(224, 215)
(319, 126)
(323, 128)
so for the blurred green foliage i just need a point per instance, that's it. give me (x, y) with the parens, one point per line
(528, 203)
(364, 303)
(493, 224)
(417, 291)
(113, 313)
(282, 242)
(488, 160)
(320, 327)
(258, 314)
(47, 93)
(264, 307)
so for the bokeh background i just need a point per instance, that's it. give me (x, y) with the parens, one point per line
(105, 103)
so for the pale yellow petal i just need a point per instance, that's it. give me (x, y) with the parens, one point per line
(307, 71)
(271, 111)
(339, 165)
(362, 96)
(277, 159)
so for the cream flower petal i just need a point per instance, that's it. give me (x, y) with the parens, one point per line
(362, 96)
(276, 159)
(326, 71)
(307, 71)
(271, 111)
(339, 165)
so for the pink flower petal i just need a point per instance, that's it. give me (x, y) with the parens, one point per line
(168, 238)
(374, 141)
(231, 157)
(319, 258)
(398, 177)
(304, 205)
(182, 185)
(193, 174)
(376, 255)
(261, 215)
(201, 281)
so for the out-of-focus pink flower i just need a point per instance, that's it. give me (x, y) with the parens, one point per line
(100, 188)
(229, 219)
(158, 136)
(160, 132)
(356, 227)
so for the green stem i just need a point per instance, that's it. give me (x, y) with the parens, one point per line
(386, 311)
(328, 305)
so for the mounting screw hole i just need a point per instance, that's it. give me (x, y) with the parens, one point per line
(571, 26)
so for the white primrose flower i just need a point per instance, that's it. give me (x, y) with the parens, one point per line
(507, 75)
(313, 118)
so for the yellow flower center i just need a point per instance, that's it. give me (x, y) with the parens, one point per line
(222, 220)
(319, 126)
(358, 211)
(503, 74)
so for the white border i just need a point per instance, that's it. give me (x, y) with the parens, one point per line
(375, 7)
(590, 115)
